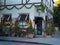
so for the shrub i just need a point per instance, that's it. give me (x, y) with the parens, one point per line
(30, 29)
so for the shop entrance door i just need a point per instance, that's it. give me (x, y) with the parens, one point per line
(38, 25)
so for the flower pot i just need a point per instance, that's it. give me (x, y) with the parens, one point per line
(26, 36)
(53, 35)
(30, 35)
(48, 36)
(45, 35)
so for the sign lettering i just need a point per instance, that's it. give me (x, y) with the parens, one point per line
(24, 1)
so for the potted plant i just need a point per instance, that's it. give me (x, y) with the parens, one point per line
(16, 27)
(30, 31)
(53, 31)
(49, 31)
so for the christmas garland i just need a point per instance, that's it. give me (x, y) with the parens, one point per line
(19, 7)
(29, 7)
(42, 8)
(9, 8)
(14, 6)
(2, 8)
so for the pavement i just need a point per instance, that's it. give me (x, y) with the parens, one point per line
(52, 41)
(13, 43)
(57, 34)
(42, 40)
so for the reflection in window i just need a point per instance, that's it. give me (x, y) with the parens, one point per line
(22, 20)
(22, 25)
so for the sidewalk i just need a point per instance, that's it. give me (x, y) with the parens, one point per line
(57, 34)
(53, 41)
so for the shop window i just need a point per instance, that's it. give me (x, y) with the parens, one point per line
(22, 20)
(6, 19)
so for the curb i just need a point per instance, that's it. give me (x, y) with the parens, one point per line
(26, 42)
(20, 41)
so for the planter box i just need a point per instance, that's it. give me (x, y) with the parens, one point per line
(30, 36)
(45, 35)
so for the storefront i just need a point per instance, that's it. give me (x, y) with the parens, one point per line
(38, 25)
(18, 13)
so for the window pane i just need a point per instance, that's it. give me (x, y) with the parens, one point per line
(23, 23)
(20, 23)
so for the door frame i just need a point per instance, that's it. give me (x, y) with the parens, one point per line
(35, 26)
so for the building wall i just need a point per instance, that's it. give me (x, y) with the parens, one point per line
(49, 4)
(32, 11)
(15, 13)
